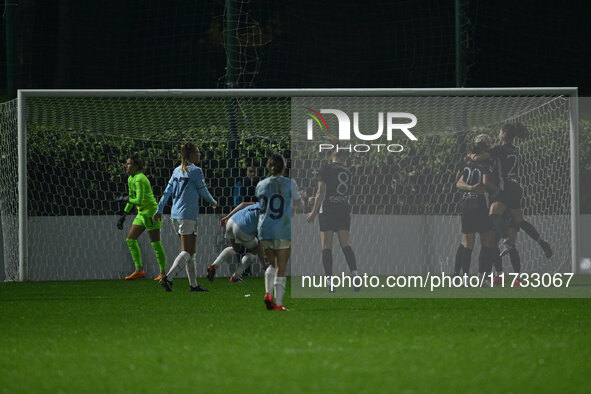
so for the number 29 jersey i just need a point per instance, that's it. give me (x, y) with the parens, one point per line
(275, 194)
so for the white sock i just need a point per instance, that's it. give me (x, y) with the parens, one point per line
(270, 275)
(279, 289)
(191, 272)
(226, 255)
(247, 260)
(179, 263)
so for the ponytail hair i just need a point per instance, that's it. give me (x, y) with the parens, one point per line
(186, 151)
(515, 130)
(276, 164)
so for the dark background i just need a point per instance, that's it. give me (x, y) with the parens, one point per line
(64, 44)
(124, 44)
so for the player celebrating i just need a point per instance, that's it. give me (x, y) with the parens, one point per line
(474, 178)
(274, 228)
(331, 204)
(507, 158)
(141, 196)
(241, 230)
(185, 186)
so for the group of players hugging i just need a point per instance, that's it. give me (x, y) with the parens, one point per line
(491, 204)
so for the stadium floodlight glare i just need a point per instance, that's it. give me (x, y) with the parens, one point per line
(63, 152)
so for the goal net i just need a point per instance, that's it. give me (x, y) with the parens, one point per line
(404, 199)
(404, 203)
(76, 147)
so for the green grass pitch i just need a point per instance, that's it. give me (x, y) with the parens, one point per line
(117, 336)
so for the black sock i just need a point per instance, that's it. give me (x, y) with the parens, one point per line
(499, 225)
(350, 257)
(485, 260)
(497, 260)
(530, 230)
(466, 257)
(482, 260)
(458, 262)
(327, 261)
(515, 260)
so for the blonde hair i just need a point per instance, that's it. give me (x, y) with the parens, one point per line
(485, 138)
(186, 151)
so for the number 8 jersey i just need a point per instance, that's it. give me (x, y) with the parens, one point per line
(275, 195)
(338, 187)
(185, 189)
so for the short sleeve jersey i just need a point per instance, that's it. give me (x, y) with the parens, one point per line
(338, 188)
(472, 172)
(140, 194)
(248, 219)
(275, 194)
(507, 163)
(185, 189)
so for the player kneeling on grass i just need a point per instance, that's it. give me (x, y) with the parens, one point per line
(274, 228)
(185, 186)
(241, 230)
(141, 196)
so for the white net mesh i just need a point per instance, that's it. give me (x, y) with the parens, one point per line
(244, 56)
(76, 148)
(9, 188)
(404, 204)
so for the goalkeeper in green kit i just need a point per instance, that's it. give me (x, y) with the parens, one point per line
(141, 196)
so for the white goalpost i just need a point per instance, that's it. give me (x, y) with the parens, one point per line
(63, 152)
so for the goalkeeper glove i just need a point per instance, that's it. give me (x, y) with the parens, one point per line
(123, 198)
(121, 221)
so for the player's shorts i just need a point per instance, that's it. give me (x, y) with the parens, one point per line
(508, 219)
(475, 218)
(335, 221)
(240, 237)
(276, 244)
(144, 219)
(510, 196)
(184, 226)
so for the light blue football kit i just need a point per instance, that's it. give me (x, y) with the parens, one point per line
(275, 194)
(247, 219)
(185, 189)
